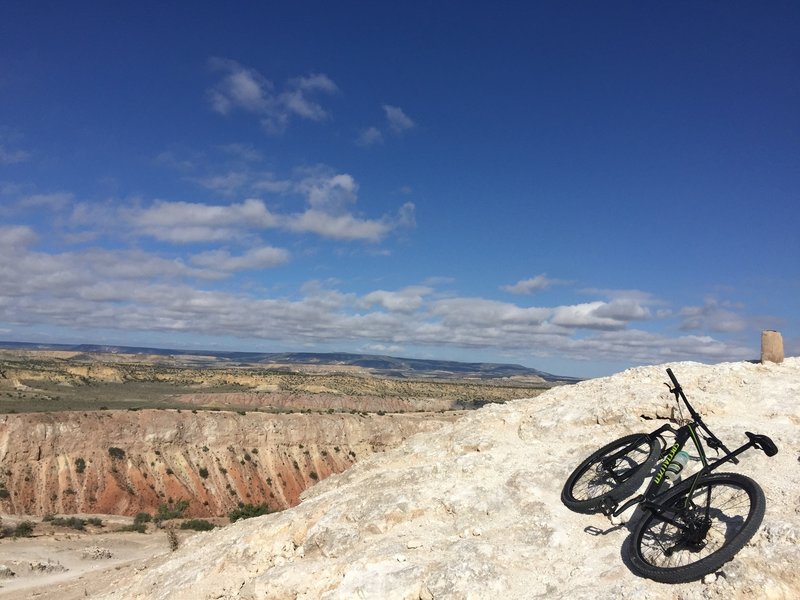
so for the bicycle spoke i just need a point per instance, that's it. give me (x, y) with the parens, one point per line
(602, 478)
(727, 507)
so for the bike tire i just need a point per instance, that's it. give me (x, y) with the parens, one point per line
(659, 551)
(590, 485)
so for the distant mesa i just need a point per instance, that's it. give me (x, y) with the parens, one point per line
(387, 366)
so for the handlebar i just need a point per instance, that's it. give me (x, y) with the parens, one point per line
(713, 441)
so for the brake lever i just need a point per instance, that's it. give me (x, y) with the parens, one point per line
(716, 444)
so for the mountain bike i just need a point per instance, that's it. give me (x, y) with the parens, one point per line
(688, 528)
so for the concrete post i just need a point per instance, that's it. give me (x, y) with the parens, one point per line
(771, 347)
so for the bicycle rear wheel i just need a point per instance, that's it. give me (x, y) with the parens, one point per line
(697, 531)
(614, 472)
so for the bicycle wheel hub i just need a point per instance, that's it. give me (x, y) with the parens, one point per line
(695, 534)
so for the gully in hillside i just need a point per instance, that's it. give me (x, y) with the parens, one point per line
(688, 528)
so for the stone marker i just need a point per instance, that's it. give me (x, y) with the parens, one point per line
(771, 347)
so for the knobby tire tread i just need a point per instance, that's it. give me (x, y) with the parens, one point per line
(711, 563)
(619, 491)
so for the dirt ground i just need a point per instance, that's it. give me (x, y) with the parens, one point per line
(65, 564)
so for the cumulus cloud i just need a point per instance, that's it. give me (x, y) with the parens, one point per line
(329, 192)
(330, 196)
(17, 235)
(243, 88)
(600, 315)
(265, 257)
(712, 316)
(240, 88)
(398, 120)
(188, 222)
(369, 137)
(139, 291)
(397, 123)
(534, 284)
(406, 300)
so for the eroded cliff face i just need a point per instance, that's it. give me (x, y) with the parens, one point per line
(124, 462)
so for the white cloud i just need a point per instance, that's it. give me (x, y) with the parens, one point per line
(186, 222)
(712, 316)
(17, 235)
(243, 88)
(139, 291)
(600, 315)
(265, 257)
(406, 300)
(534, 284)
(240, 88)
(398, 120)
(406, 216)
(54, 201)
(340, 227)
(329, 192)
(369, 137)
(227, 184)
(267, 182)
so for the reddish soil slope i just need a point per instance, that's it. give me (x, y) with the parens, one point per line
(137, 460)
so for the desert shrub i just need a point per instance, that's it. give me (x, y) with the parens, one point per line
(137, 527)
(172, 539)
(71, 522)
(142, 517)
(4, 493)
(313, 475)
(197, 525)
(116, 453)
(24, 529)
(203, 472)
(80, 465)
(171, 511)
(96, 521)
(248, 511)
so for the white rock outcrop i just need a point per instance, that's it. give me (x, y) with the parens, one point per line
(473, 510)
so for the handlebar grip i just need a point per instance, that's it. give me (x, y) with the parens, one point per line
(673, 378)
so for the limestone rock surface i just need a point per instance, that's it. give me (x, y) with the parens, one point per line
(473, 510)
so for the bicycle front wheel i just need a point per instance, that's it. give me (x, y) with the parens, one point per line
(696, 531)
(614, 472)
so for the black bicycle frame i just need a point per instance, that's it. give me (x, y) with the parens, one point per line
(650, 498)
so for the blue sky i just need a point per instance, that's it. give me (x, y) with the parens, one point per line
(577, 187)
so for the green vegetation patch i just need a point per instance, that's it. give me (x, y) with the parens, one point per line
(198, 525)
(248, 511)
